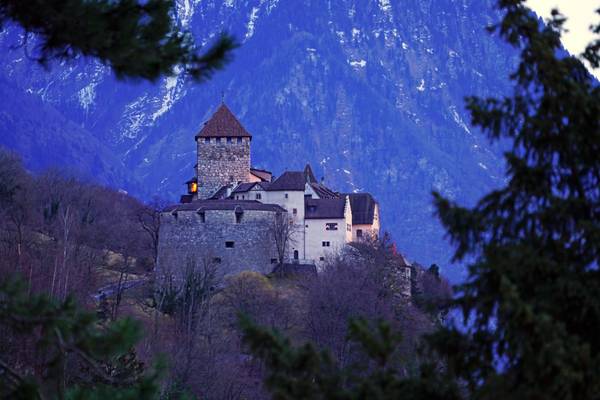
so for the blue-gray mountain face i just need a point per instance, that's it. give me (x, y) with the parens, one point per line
(370, 92)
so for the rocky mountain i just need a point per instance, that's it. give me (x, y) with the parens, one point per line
(370, 92)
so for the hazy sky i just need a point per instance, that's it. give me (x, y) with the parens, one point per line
(580, 14)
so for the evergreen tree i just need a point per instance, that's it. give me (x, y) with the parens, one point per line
(64, 337)
(531, 301)
(531, 298)
(137, 39)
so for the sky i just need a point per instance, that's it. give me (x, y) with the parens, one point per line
(580, 14)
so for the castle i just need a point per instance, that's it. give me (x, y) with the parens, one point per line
(233, 213)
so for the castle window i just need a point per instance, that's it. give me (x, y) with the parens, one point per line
(286, 195)
(239, 212)
(239, 140)
(295, 211)
(296, 255)
(228, 140)
(332, 226)
(359, 233)
(258, 196)
(202, 215)
(218, 140)
(273, 261)
(229, 245)
(348, 227)
(217, 260)
(206, 140)
(326, 244)
(321, 258)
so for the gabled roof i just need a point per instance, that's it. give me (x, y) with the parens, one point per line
(324, 208)
(308, 173)
(221, 193)
(323, 191)
(289, 180)
(295, 180)
(223, 124)
(363, 208)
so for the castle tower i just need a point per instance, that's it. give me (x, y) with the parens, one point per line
(223, 153)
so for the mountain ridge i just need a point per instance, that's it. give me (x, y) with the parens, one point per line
(369, 92)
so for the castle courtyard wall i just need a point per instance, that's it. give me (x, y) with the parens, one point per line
(184, 238)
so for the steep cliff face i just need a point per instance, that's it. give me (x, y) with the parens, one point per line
(370, 92)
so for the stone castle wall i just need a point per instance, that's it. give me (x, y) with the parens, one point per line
(184, 238)
(220, 163)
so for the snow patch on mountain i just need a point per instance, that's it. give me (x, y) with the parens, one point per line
(251, 23)
(87, 96)
(172, 90)
(385, 6)
(457, 118)
(358, 63)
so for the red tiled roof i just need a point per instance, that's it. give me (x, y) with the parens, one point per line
(223, 124)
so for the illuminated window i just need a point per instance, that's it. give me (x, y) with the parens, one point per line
(192, 187)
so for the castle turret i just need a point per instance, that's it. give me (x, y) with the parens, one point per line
(223, 153)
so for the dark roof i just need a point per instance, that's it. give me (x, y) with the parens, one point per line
(224, 204)
(223, 124)
(308, 173)
(363, 207)
(186, 198)
(194, 179)
(245, 187)
(262, 174)
(324, 208)
(221, 193)
(289, 180)
(323, 191)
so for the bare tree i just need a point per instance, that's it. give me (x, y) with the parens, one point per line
(282, 231)
(148, 217)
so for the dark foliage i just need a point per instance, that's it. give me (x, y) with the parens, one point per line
(66, 335)
(137, 39)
